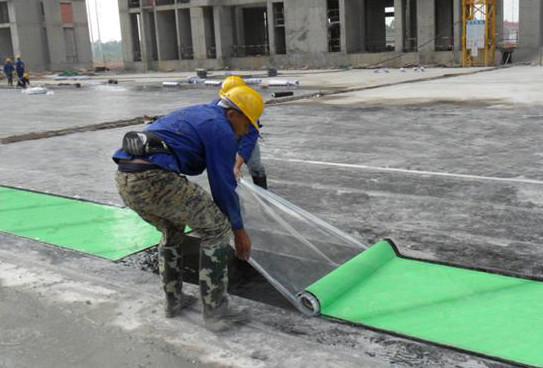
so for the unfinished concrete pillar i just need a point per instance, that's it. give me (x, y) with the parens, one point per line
(57, 48)
(409, 20)
(199, 41)
(426, 27)
(352, 14)
(499, 21)
(398, 25)
(84, 51)
(306, 27)
(458, 24)
(126, 30)
(224, 31)
(271, 27)
(499, 30)
(240, 36)
(530, 32)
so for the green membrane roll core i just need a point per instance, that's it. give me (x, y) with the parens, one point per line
(104, 231)
(488, 314)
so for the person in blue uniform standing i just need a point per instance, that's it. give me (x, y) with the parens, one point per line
(248, 147)
(8, 71)
(20, 68)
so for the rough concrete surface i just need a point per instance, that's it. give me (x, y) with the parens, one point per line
(518, 85)
(453, 182)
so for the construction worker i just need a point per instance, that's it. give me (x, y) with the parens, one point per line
(248, 148)
(20, 68)
(24, 81)
(151, 180)
(8, 71)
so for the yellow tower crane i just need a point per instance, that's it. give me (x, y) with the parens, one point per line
(479, 32)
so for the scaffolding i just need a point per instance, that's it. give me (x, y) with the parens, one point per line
(484, 12)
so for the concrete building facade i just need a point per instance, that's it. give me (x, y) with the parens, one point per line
(47, 34)
(184, 34)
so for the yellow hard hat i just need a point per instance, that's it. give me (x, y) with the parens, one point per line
(231, 82)
(248, 101)
(26, 75)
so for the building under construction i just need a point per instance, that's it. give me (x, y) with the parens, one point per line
(183, 34)
(47, 34)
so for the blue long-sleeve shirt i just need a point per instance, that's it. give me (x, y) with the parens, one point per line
(201, 137)
(20, 68)
(246, 143)
(8, 69)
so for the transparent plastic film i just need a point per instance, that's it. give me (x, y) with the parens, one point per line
(292, 248)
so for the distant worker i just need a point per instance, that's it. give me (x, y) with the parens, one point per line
(24, 81)
(20, 68)
(151, 180)
(8, 71)
(248, 148)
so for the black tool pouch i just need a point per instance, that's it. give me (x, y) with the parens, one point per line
(143, 143)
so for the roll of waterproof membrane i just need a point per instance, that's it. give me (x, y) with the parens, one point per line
(292, 248)
(325, 272)
(476, 311)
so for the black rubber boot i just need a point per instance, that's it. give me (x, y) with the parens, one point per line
(225, 317)
(261, 181)
(174, 306)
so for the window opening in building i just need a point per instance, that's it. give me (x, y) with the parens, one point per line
(444, 25)
(334, 26)
(390, 28)
(185, 34)
(152, 42)
(255, 32)
(6, 45)
(42, 11)
(380, 24)
(167, 35)
(4, 13)
(209, 25)
(409, 25)
(510, 37)
(67, 13)
(279, 28)
(71, 46)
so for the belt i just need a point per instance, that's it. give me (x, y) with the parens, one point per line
(136, 166)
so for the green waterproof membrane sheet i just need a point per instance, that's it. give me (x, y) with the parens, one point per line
(100, 230)
(488, 314)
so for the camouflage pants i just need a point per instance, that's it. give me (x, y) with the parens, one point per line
(169, 202)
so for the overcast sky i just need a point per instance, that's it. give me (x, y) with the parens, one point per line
(107, 13)
(104, 13)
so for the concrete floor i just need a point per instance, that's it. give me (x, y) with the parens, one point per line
(449, 181)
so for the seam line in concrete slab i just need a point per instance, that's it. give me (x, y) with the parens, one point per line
(415, 172)
(66, 131)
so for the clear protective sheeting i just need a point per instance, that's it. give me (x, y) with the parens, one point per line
(292, 248)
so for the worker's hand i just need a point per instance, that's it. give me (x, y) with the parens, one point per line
(243, 244)
(238, 166)
(237, 173)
